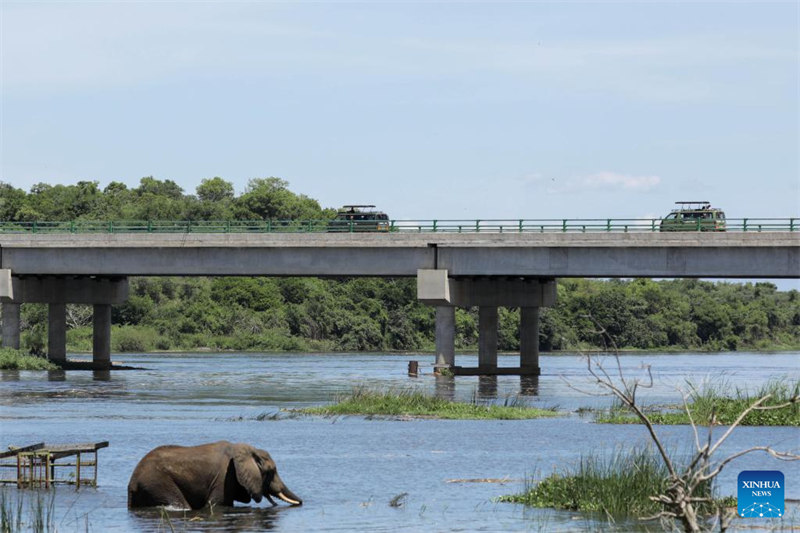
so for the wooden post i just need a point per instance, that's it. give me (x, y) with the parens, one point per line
(95, 467)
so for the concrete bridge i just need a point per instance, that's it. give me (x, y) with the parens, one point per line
(486, 270)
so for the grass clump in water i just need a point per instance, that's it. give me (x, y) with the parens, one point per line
(617, 486)
(409, 402)
(11, 359)
(711, 403)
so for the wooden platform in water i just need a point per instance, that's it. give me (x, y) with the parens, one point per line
(42, 464)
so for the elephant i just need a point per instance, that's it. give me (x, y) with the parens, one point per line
(191, 477)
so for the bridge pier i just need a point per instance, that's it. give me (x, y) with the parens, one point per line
(101, 335)
(11, 325)
(57, 292)
(434, 287)
(529, 339)
(57, 332)
(445, 336)
(487, 337)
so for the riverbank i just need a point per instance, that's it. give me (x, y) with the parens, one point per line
(472, 350)
(13, 362)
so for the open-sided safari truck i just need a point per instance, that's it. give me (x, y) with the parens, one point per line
(352, 218)
(694, 216)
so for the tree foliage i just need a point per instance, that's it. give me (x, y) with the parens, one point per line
(366, 314)
(375, 314)
(155, 199)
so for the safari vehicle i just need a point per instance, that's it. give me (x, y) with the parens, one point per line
(359, 218)
(694, 216)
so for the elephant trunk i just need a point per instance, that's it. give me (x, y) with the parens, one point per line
(278, 489)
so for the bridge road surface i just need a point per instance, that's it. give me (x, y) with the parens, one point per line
(538, 255)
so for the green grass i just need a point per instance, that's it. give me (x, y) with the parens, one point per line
(369, 402)
(711, 401)
(11, 359)
(619, 485)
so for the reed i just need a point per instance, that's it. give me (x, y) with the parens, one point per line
(618, 485)
(10, 513)
(38, 518)
(408, 402)
(711, 402)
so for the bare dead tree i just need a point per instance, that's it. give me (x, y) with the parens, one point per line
(680, 501)
(78, 315)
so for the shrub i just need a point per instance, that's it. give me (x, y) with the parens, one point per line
(132, 339)
(11, 359)
(79, 339)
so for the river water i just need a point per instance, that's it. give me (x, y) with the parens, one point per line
(349, 469)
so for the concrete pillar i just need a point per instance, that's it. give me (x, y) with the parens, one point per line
(445, 336)
(487, 387)
(445, 387)
(487, 336)
(101, 342)
(529, 338)
(57, 332)
(11, 325)
(57, 375)
(529, 385)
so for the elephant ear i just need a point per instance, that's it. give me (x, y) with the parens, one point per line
(248, 473)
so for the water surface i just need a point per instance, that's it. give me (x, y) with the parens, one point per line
(349, 469)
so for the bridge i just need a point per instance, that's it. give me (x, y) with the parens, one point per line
(487, 264)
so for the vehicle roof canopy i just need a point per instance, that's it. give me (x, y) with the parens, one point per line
(696, 205)
(356, 208)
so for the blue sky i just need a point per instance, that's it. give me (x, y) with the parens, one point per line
(440, 110)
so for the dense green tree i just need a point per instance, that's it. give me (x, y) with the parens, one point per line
(257, 294)
(63, 202)
(112, 202)
(11, 201)
(215, 189)
(215, 201)
(150, 186)
(270, 198)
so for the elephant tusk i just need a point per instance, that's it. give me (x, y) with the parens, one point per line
(288, 500)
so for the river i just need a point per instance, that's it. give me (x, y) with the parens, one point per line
(349, 469)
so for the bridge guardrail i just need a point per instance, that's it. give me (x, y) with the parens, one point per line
(395, 226)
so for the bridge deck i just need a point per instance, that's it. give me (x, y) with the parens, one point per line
(390, 240)
(693, 254)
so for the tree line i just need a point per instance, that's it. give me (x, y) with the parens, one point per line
(369, 314)
(214, 199)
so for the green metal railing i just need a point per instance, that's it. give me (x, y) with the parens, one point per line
(400, 226)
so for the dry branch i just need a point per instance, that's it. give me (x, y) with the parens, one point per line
(680, 498)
